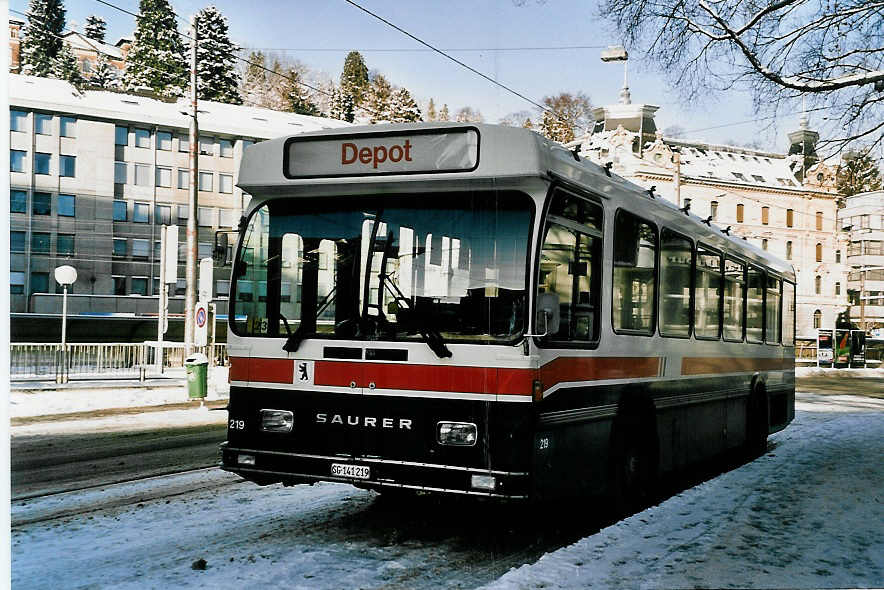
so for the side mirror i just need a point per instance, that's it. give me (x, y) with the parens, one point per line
(219, 252)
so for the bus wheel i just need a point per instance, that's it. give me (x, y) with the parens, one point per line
(632, 466)
(756, 423)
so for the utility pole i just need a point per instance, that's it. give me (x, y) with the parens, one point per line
(190, 270)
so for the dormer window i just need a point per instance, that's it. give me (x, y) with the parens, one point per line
(738, 175)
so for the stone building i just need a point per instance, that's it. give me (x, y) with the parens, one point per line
(759, 195)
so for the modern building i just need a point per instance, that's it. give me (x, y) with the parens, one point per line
(758, 195)
(862, 220)
(95, 174)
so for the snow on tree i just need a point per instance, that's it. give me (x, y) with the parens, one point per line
(156, 59)
(378, 100)
(354, 77)
(431, 111)
(342, 106)
(295, 96)
(65, 67)
(254, 82)
(41, 36)
(858, 174)
(103, 75)
(216, 58)
(468, 115)
(403, 109)
(95, 28)
(443, 114)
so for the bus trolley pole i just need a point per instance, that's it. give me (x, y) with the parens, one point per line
(190, 269)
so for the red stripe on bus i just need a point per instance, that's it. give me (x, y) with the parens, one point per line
(713, 365)
(594, 368)
(261, 370)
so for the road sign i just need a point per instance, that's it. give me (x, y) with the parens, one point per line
(201, 317)
(205, 280)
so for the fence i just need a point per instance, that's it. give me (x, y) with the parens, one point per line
(101, 360)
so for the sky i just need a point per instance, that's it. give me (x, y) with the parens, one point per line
(320, 33)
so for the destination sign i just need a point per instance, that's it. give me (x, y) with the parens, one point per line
(420, 152)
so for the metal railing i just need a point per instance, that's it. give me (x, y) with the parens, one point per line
(101, 360)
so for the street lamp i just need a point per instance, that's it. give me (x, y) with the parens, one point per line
(64, 276)
(619, 53)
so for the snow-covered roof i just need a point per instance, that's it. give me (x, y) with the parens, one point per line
(214, 117)
(80, 41)
(734, 165)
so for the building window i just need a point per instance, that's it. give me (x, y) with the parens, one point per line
(67, 166)
(141, 213)
(790, 217)
(43, 124)
(204, 250)
(789, 250)
(121, 135)
(17, 160)
(205, 181)
(120, 247)
(227, 218)
(207, 146)
(222, 288)
(142, 174)
(713, 210)
(42, 163)
(838, 256)
(40, 242)
(68, 127)
(205, 216)
(157, 252)
(67, 205)
(837, 288)
(39, 282)
(180, 287)
(120, 211)
(119, 285)
(142, 138)
(18, 202)
(18, 121)
(765, 215)
(817, 319)
(164, 140)
(41, 204)
(818, 285)
(183, 178)
(140, 248)
(64, 244)
(139, 286)
(163, 214)
(120, 173)
(183, 143)
(225, 183)
(16, 283)
(182, 212)
(764, 244)
(246, 143)
(819, 252)
(164, 177)
(17, 241)
(819, 221)
(86, 66)
(740, 213)
(226, 147)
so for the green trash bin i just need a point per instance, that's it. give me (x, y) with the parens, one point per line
(197, 368)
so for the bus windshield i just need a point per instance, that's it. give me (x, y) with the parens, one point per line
(437, 267)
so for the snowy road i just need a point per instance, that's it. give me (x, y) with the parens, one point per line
(807, 514)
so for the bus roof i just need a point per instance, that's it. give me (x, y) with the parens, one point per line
(405, 156)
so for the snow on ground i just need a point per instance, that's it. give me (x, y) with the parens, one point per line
(807, 514)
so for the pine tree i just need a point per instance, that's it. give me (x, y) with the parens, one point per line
(431, 111)
(378, 100)
(216, 58)
(41, 37)
(95, 28)
(443, 114)
(403, 109)
(858, 174)
(65, 67)
(295, 97)
(354, 77)
(103, 75)
(342, 107)
(156, 60)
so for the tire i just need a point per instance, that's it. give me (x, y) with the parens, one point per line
(756, 423)
(632, 465)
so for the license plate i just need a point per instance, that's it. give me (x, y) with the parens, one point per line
(348, 470)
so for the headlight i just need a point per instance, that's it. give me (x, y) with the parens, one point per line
(459, 434)
(277, 420)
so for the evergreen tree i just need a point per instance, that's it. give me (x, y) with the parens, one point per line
(431, 111)
(103, 75)
(254, 83)
(443, 114)
(215, 58)
(378, 100)
(354, 77)
(41, 37)
(95, 28)
(156, 60)
(858, 174)
(403, 109)
(65, 67)
(342, 107)
(295, 95)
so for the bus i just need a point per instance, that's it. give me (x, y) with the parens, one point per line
(475, 310)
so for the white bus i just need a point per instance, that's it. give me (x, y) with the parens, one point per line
(472, 309)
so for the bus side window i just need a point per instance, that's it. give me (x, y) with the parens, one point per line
(570, 266)
(772, 313)
(707, 318)
(676, 262)
(635, 271)
(788, 313)
(755, 305)
(734, 290)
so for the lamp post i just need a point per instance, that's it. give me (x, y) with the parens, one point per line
(64, 276)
